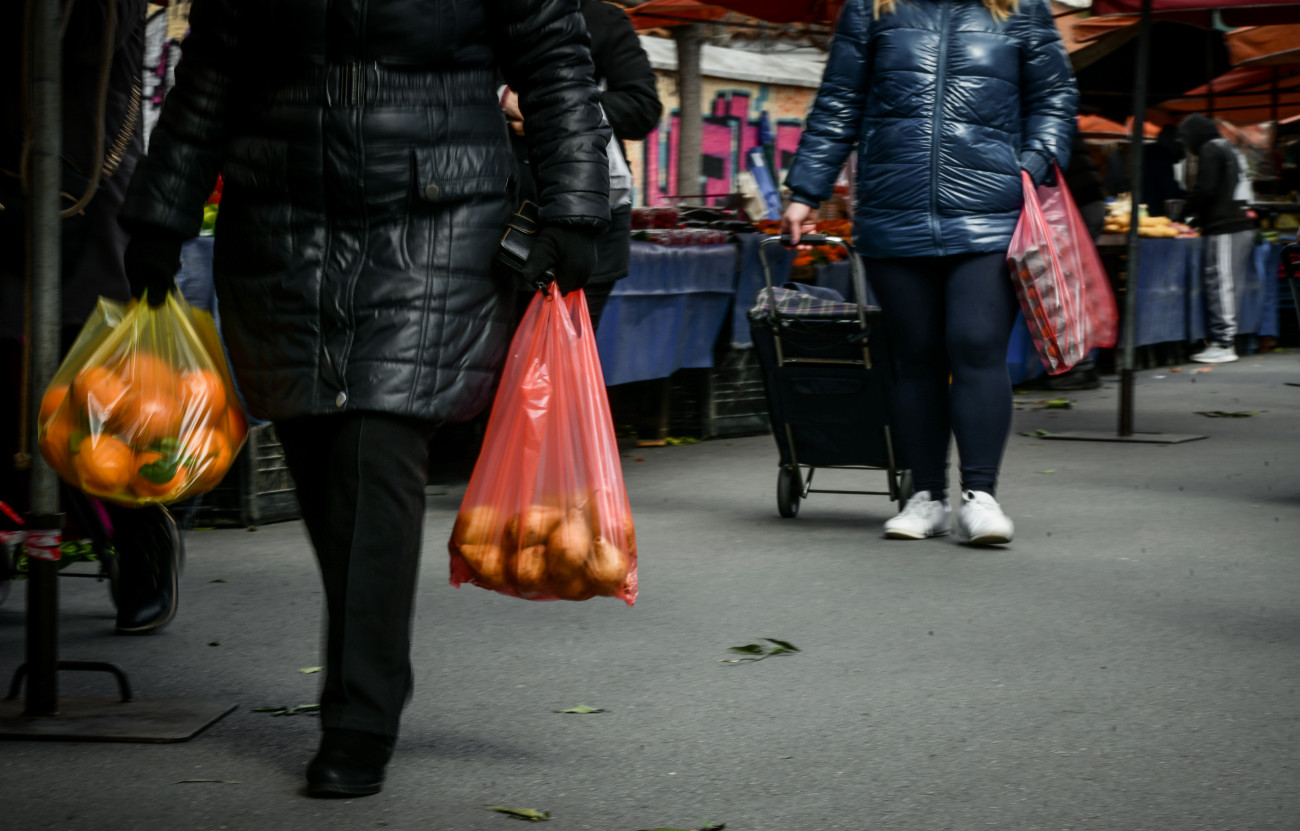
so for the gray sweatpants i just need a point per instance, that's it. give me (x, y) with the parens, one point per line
(1225, 260)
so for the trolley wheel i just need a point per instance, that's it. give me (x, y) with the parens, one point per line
(905, 487)
(789, 490)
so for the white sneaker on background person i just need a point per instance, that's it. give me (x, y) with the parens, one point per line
(921, 517)
(980, 520)
(1215, 354)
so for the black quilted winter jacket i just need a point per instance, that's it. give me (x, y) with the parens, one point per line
(944, 106)
(367, 180)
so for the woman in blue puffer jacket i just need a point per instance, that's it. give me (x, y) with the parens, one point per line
(946, 102)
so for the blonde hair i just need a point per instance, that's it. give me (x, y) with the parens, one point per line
(1000, 9)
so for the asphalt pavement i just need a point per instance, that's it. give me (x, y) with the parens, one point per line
(1130, 662)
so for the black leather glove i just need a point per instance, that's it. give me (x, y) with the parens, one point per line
(562, 252)
(152, 258)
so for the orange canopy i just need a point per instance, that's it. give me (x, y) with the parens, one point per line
(663, 13)
(1264, 45)
(1245, 95)
(1096, 127)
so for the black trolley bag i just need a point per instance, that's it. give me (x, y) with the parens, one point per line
(828, 375)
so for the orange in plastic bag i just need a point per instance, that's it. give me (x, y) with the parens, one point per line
(546, 515)
(143, 407)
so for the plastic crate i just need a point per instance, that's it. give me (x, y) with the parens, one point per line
(255, 491)
(726, 400)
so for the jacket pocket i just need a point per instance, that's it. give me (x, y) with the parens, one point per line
(454, 173)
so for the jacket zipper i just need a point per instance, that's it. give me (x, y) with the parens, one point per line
(936, 125)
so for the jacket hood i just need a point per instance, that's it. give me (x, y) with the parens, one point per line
(1168, 140)
(1196, 130)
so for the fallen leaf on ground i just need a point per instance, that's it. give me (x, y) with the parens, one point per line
(1049, 470)
(1226, 414)
(1034, 434)
(757, 651)
(582, 710)
(530, 814)
(309, 670)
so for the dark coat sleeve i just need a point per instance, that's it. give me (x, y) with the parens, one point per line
(1049, 96)
(631, 96)
(543, 50)
(833, 124)
(173, 181)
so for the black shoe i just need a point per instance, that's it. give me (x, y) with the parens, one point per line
(349, 763)
(1075, 379)
(149, 554)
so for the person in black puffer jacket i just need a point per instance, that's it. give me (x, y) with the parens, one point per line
(630, 97)
(946, 103)
(367, 176)
(1229, 234)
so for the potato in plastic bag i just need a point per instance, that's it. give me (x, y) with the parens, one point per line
(143, 408)
(546, 516)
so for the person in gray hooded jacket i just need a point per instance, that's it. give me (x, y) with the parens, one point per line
(1228, 233)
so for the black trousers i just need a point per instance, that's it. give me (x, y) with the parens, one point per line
(950, 316)
(360, 480)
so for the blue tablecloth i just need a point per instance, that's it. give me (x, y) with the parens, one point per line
(1169, 290)
(667, 313)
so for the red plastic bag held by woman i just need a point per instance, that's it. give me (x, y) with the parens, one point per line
(546, 515)
(1062, 285)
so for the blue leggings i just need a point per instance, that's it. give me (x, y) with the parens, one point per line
(949, 316)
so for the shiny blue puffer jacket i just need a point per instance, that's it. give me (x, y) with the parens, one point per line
(999, 97)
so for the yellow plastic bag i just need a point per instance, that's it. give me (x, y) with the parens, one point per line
(143, 408)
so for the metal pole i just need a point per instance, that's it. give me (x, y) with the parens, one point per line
(690, 105)
(1135, 178)
(45, 98)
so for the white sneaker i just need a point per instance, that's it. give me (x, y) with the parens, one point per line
(1215, 354)
(921, 517)
(981, 521)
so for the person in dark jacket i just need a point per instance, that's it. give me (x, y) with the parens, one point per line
(366, 170)
(946, 104)
(630, 97)
(1228, 234)
(103, 56)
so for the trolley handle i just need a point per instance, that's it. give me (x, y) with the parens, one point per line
(812, 239)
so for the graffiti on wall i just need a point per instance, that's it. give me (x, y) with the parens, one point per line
(733, 125)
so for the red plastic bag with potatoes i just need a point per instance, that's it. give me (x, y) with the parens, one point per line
(546, 515)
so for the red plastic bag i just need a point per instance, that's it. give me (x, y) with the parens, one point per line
(546, 515)
(1062, 285)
